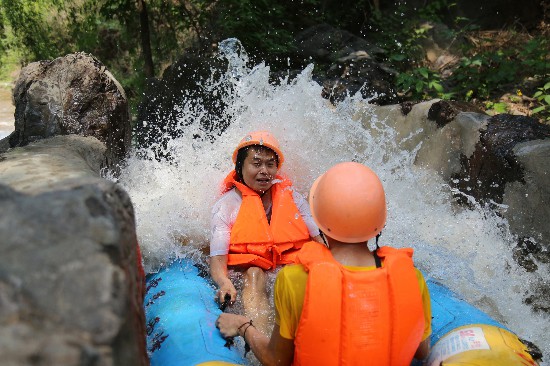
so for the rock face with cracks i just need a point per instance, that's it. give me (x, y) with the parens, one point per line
(71, 281)
(74, 94)
(70, 287)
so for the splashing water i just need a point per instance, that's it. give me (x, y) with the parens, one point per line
(468, 250)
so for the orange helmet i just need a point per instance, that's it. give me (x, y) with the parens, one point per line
(262, 138)
(348, 203)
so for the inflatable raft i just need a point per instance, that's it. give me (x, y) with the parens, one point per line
(181, 313)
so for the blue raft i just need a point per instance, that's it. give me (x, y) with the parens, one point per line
(181, 314)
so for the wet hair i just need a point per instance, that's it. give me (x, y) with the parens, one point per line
(243, 153)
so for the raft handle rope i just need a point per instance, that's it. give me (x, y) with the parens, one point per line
(230, 340)
(226, 301)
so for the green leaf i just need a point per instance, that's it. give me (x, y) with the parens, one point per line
(476, 62)
(538, 109)
(398, 57)
(547, 99)
(424, 72)
(500, 107)
(437, 86)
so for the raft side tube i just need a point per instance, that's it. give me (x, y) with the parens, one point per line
(180, 317)
(464, 335)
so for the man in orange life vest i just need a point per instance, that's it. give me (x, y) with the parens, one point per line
(259, 222)
(344, 304)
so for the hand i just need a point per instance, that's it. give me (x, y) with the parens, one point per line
(226, 288)
(229, 324)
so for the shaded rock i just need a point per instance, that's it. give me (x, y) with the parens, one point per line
(493, 164)
(501, 161)
(324, 42)
(70, 288)
(351, 62)
(445, 111)
(359, 73)
(74, 94)
(528, 201)
(160, 113)
(407, 106)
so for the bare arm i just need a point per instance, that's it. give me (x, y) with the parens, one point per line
(274, 351)
(218, 272)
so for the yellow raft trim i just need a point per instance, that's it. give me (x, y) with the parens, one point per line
(480, 345)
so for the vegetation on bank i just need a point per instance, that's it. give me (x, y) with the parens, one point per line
(138, 39)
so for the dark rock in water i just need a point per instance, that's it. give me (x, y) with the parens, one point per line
(324, 43)
(407, 106)
(183, 85)
(493, 163)
(74, 94)
(509, 167)
(352, 64)
(528, 252)
(443, 112)
(359, 73)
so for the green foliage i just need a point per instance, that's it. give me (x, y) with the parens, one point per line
(399, 36)
(264, 27)
(111, 30)
(482, 74)
(39, 27)
(422, 83)
(543, 97)
(496, 107)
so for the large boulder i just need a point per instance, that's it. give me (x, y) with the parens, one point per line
(71, 290)
(500, 161)
(74, 94)
(182, 86)
(352, 64)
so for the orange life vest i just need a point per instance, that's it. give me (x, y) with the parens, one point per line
(254, 241)
(359, 317)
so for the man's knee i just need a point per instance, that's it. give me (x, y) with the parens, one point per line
(255, 275)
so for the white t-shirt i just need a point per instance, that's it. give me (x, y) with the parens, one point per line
(224, 215)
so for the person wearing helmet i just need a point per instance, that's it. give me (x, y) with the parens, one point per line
(260, 222)
(343, 303)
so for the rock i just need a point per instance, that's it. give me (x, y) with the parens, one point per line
(73, 94)
(352, 64)
(323, 41)
(70, 287)
(493, 164)
(501, 161)
(445, 111)
(159, 113)
(528, 201)
(353, 74)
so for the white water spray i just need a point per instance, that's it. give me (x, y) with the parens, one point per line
(468, 250)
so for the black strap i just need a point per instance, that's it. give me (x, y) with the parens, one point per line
(377, 259)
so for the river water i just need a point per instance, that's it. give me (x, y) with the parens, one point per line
(468, 250)
(7, 110)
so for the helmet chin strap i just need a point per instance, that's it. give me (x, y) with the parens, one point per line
(377, 259)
